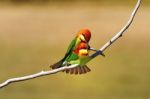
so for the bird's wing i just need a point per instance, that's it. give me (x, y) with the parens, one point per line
(67, 55)
(72, 57)
(70, 48)
(78, 70)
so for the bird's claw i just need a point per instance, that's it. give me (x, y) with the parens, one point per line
(100, 52)
(93, 49)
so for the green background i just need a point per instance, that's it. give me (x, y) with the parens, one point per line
(34, 35)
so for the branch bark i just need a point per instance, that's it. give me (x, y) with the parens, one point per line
(42, 73)
(120, 33)
(101, 50)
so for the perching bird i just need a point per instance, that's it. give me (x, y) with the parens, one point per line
(79, 56)
(84, 36)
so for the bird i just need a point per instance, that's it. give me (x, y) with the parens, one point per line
(83, 36)
(79, 56)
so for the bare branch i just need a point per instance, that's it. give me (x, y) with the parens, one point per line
(120, 33)
(42, 73)
(101, 50)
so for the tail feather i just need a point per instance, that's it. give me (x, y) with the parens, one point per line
(87, 69)
(57, 65)
(72, 71)
(67, 71)
(78, 70)
(82, 70)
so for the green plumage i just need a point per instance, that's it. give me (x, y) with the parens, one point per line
(69, 54)
(73, 58)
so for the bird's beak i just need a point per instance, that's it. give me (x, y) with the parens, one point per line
(82, 38)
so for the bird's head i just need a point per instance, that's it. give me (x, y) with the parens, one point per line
(84, 35)
(82, 49)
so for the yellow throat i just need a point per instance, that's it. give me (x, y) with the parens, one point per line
(83, 52)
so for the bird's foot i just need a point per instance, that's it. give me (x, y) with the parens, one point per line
(93, 49)
(100, 52)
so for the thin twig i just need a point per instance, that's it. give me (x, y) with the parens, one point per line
(120, 33)
(42, 73)
(102, 49)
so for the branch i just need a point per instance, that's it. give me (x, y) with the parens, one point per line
(101, 50)
(120, 33)
(42, 73)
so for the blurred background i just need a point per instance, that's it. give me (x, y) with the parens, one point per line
(36, 33)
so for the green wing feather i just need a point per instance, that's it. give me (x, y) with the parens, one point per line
(71, 57)
(70, 48)
(68, 53)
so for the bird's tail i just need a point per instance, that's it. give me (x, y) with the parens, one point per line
(78, 70)
(56, 65)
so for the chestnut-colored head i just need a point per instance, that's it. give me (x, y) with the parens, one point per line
(82, 49)
(84, 35)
